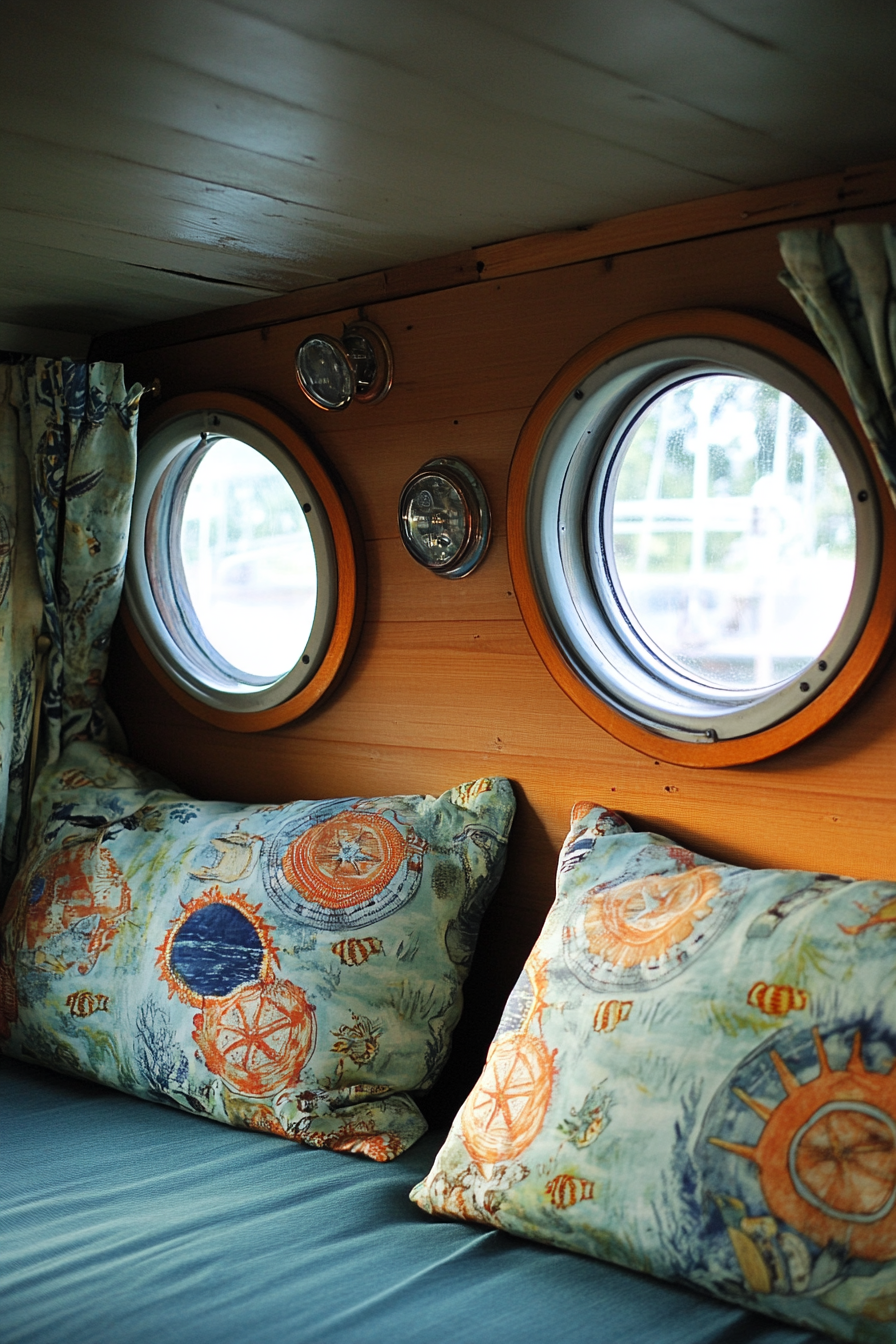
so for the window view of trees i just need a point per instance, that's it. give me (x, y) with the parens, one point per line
(249, 560)
(733, 532)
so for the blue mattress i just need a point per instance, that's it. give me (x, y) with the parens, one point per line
(122, 1222)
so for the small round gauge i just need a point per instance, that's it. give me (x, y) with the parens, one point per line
(443, 518)
(325, 372)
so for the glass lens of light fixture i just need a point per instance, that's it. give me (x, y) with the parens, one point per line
(436, 520)
(248, 560)
(324, 373)
(363, 357)
(733, 533)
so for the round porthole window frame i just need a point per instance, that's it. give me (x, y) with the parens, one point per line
(618, 365)
(172, 435)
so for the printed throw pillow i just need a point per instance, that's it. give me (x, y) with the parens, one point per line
(296, 969)
(695, 1076)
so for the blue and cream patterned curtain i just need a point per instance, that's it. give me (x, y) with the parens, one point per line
(845, 285)
(67, 461)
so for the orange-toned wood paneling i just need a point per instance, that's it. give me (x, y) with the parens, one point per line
(446, 684)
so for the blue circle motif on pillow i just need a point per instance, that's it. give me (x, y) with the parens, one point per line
(215, 950)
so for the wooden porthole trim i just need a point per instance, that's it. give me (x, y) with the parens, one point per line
(348, 563)
(877, 634)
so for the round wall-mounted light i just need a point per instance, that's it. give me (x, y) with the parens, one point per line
(444, 518)
(242, 582)
(332, 372)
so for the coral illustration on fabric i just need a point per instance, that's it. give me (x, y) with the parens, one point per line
(886, 914)
(258, 1039)
(79, 891)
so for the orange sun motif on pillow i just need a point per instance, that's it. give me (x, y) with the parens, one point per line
(827, 1153)
(644, 920)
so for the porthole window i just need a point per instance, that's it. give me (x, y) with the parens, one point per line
(696, 538)
(239, 553)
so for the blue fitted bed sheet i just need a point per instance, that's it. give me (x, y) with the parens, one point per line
(123, 1222)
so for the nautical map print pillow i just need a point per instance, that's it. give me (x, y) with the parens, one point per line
(695, 1076)
(293, 968)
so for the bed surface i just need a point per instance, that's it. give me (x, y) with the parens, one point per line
(123, 1222)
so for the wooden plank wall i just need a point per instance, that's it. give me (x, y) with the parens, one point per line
(445, 684)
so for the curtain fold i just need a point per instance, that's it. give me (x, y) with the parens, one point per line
(67, 464)
(845, 285)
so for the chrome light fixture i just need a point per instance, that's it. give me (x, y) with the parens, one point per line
(333, 373)
(444, 519)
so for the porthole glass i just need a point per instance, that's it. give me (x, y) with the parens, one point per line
(231, 575)
(728, 532)
(248, 560)
(700, 535)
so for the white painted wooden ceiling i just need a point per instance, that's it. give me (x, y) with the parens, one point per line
(159, 159)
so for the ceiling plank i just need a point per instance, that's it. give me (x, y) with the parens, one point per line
(871, 186)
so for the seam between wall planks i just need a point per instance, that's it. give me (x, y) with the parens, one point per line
(732, 212)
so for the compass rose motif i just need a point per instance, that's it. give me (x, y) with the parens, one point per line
(259, 1038)
(346, 869)
(638, 934)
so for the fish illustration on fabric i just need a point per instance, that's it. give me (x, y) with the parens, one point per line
(608, 1015)
(885, 915)
(777, 1000)
(566, 1190)
(237, 856)
(355, 951)
(82, 1003)
(359, 1040)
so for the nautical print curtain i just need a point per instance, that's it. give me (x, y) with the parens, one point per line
(67, 462)
(845, 285)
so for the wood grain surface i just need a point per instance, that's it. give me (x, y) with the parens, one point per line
(445, 683)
